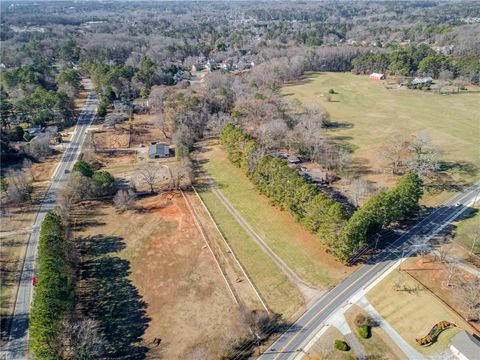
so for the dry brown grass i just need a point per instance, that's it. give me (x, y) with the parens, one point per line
(324, 348)
(412, 313)
(187, 300)
(379, 345)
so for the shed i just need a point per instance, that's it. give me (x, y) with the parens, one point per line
(422, 80)
(377, 76)
(465, 346)
(158, 150)
(292, 159)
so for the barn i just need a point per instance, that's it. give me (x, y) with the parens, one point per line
(377, 76)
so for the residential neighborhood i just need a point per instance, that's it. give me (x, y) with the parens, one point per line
(269, 180)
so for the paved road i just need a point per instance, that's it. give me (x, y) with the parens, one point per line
(18, 341)
(290, 344)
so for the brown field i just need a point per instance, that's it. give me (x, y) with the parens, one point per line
(324, 348)
(432, 274)
(413, 311)
(176, 291)
(379, 345)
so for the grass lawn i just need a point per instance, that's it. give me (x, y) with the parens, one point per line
(298, 248)
(461, 232)
(368, 113)
(277, 290)
(324, 348)
(413, 313)
(379, 345)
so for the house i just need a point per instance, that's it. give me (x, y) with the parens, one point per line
(377, 76)
(211, 65)
(158, 150)
(422, 80)
(465, 346)
(197, 67)
(292, 159)
(35, 130)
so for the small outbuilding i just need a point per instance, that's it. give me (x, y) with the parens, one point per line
(158, 150)
(377, 76)
(422, 80)
(465, 346)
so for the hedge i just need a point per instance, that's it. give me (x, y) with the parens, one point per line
(364, 331)
(341, 345)
(54, 290)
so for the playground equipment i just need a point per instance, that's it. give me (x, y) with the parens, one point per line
(434, 332)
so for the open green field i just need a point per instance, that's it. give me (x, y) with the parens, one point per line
(280, 294)
(298, 248)
(368, 112)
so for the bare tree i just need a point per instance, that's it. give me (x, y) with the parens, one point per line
(394, 151)
(78, 188)
(81, 339)
(150, 176)
(124, 200)
(39, 146)
(360, 190)
(451, 271)
(472, 231)
(19, 186)
(443, 252)
(469, 295)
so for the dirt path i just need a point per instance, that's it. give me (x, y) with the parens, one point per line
(309, 293)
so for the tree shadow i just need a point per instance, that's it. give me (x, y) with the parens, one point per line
(107, 295)
(460, 167)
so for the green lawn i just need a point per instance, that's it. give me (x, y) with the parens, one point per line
(280, 294)
(368, 113)
(298, 248)
(465, 226)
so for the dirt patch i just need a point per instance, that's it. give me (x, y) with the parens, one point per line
(144, 130)
(186, 300)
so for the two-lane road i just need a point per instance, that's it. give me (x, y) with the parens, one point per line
(17, 347)
(290, 344)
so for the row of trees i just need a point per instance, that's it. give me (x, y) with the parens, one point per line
(54, 290)
(317, 212)
(284, 186)
(421, 60)
(381, 210)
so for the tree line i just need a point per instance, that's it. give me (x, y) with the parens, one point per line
(314, 210)
(54, 290)
(419, 60)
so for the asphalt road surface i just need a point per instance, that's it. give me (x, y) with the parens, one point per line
(290, 344)
(18, 341)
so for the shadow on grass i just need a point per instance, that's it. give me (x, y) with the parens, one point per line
(107, 295)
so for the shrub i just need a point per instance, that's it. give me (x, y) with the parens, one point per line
(331, 91)
(366, 320)
(341, 345)
(83, 168)
(364, 331)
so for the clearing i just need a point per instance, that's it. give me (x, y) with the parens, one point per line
(368, 112)
(147, 274)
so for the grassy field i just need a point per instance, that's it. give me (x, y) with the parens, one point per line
(461, 232)
(279, 293)
(413, 313)
(369, 112)
(298, 248)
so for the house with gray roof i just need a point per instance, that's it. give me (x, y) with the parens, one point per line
(465, 346)
(158, 150)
